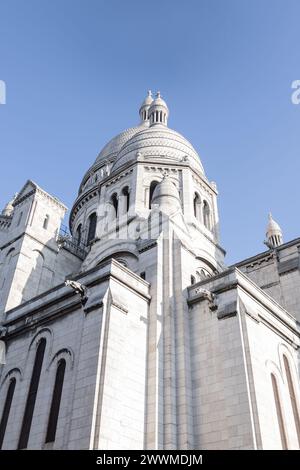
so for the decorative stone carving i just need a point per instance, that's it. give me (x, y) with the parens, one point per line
(209, 296)
(79, 289)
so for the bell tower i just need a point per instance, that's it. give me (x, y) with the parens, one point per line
(29, 248)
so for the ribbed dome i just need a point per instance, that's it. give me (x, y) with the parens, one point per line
(115, 144)
(158, 143)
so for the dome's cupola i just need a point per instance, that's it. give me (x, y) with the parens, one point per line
(273, 233)
(158, 111)
(144, 109)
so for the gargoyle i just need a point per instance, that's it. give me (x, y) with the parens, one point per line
(79, 289)
(3, 331)
(208, 295)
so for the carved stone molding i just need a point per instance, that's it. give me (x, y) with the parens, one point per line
(119, 306)
(118, 177)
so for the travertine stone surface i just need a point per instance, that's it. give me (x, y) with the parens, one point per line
(165, 347)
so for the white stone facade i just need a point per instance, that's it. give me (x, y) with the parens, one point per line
(162, 345)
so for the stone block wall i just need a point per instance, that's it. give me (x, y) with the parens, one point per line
(237, 339)
(104, 345)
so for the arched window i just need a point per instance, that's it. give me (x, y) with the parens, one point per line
(115, 203)
(203, 274)
(92, 227)
(292, 396)
(151, 191)
(206, 215)
(193, 280)
(78, 235)
(31, 398)
(56, 399)
(279, 412)
(46, 222)
(125, 192)
(6, 409)
(197, 203)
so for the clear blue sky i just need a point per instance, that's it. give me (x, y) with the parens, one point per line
(76, 72)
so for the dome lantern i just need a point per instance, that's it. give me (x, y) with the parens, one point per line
(158, 111)
(144, 109)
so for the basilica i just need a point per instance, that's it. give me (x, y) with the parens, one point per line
(128, 330)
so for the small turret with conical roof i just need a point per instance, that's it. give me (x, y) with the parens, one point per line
(273, 233)
(9, 208)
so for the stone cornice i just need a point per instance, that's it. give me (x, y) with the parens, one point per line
(61, 300)
(118, 177)
(205, 185)
(37, 189)
(82, 200)
(33, 319)
(95, 167)
(240, 280)
(10, 242)
(147, 245)
(123, 171)
(21, 235)
(21, 199)
(95, 189)
(265, 255)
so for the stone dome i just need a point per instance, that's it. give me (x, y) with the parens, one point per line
(272, 227)
(159, 143)
(112, 148)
